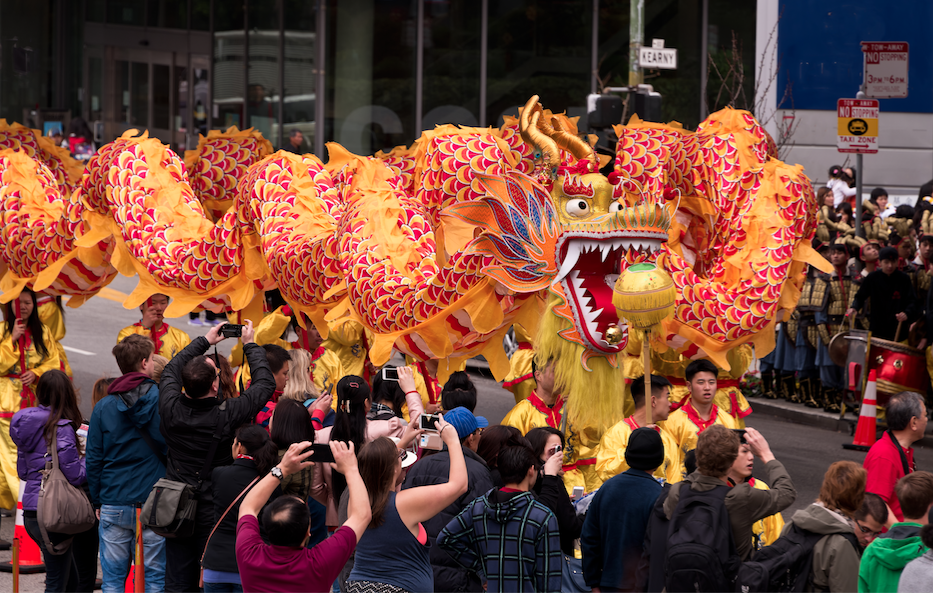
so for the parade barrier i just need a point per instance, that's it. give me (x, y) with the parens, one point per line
(27, 559)
(865, 431)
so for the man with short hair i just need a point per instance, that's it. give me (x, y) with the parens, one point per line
(168, 340)
(745, 504)
(616, 520)
(507, 535)
(284, 564)
(892, 456)
(891, 295)
(885, 558)
(435, 469)
(871, 518)
(611, 458)
(295, 140)
(697, 412)
(194, 422)
(125, 457)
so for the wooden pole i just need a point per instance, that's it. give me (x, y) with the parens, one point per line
(646, 355)
(139, 578)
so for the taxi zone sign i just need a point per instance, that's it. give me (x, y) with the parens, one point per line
(857, 125)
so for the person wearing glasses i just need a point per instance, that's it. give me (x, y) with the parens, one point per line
(872, 518)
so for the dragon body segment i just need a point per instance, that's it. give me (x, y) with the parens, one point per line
(437, 248)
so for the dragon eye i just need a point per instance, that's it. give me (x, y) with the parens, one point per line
(616, 207)
(577, 207)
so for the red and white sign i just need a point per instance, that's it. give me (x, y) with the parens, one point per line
(857, 125)
(885, 72)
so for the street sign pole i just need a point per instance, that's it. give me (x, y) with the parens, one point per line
(859, 175)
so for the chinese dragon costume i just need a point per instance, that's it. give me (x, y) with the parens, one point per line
(439, 248)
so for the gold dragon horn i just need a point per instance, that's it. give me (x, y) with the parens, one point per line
(529, 124)
(573, 144)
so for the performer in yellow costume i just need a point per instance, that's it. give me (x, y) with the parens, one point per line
(520, 380)
(349, 342)
(326, 368)
(698, 412)
(728, 396)
(52, 317)
(610, 459)
(23, 359)
(169, 341)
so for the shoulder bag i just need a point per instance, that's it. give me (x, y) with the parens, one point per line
(62, 508)
(171, 508)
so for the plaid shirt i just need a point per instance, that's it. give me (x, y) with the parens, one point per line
(515, 543)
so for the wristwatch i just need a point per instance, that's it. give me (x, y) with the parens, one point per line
(277, 472)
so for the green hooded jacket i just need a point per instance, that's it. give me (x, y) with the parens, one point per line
(886, 557)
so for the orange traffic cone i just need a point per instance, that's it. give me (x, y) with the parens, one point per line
(865, 430)
(30, 558)
(130, 585)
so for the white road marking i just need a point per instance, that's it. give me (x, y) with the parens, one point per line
(77, 351)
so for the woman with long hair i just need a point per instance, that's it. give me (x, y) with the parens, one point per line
(290, 423)
(254, 454)
(359, 421)
(393, 553)
(54, 423)
(547, 443)
(100, 390)
(299, 387)
(227, 383)
(27, 351)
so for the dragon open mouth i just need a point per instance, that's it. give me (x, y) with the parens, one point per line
(590, 266)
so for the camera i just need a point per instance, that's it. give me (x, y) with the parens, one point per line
(389, 373)
(231, 330)
(428, 422)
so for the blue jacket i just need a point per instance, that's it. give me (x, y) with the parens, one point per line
(121, 468)
(614, 529)
(27, 430)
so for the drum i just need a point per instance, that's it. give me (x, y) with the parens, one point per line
(897, 368)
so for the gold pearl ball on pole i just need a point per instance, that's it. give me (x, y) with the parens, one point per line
(644, 296)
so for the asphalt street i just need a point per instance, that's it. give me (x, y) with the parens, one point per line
(92, 331)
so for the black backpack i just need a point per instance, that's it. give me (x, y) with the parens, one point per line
(701, 553)
(651, 574)
(786, 565)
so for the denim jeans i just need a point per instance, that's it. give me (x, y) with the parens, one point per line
(222, 588)
(118, 549)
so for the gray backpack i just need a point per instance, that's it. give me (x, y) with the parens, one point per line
(62, 508)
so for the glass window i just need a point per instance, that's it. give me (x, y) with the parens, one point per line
(451, 63)
(126, 12)
(121, 87)
(538, 47)
(181, 89)
(96, 11)
(229, 41)
(139, 94)
(161, 89)
(262, 95)
(300, 22)
(201, 15)
(171, 14)
(371, 82)
(95, 84)
(726, 20)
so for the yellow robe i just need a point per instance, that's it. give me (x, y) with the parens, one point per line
(51, 317)
(520, 380)
(767, 530)
(173, 341)
(10, 402)
(580, 450)
(346, 341)
(610, 460)
(684, 425)
(728, 395)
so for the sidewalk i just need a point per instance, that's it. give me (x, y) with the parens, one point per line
(816, 417)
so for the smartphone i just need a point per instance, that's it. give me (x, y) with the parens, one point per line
(231, 330)
(322, 453)
(429, 422)
(554, 449)
(577, 492)
(390, 373)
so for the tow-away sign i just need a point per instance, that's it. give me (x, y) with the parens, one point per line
(857, 125)
(885, 74)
